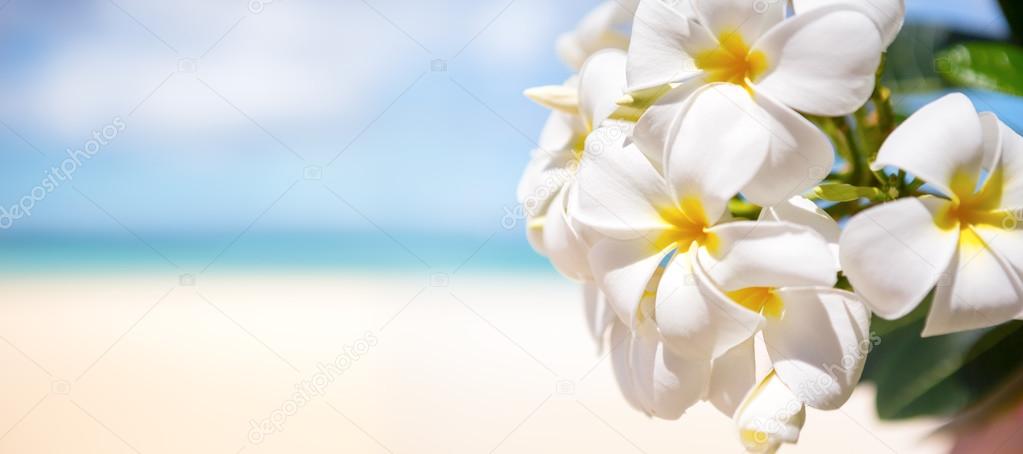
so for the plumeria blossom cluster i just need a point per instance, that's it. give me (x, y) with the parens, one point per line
(673, 180)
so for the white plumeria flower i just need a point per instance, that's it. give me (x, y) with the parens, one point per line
(602, 28)
(653, 378)
(637, 212)
(548, 184)
(812, 335)
(968, 241)
(823, 363)
(784, 66)
(816, 340)
(770, 416)
(722, 281)
(753, 44)
(888, 15)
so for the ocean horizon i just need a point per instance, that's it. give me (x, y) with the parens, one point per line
(369, 251)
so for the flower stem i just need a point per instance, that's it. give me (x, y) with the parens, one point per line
(837, 130)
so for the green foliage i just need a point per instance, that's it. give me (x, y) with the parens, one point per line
(939, 375)
(909, 63)
(944, 375)
(989, 66)
(841, 192)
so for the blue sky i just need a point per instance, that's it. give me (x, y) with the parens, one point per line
(231, 109)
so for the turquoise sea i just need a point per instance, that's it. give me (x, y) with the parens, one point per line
(366, 251)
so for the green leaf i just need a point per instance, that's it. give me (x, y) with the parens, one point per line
(941, 375)
(841, 192)
(989, 66)
(743, 209)
(909, 65)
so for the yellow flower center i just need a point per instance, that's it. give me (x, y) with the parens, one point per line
(762, 300)
(686, 224)
(975, 208)
(732, 61)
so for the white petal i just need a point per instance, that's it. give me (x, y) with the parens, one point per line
(799, 158)
(991, 127)
(607, 16)
(695, 318)
(663, 42)
(601, 85)
(769, 416)
(623, 269)
(720, 144)
(888, 15)
(530, 180)
(597, 30)
(621, 345)
(561, 243)
(1007, 243)
(936, 143)
(1012, 167)
(820, 344)
(893, 254)
(600, 318)
(561, 132)
(561, 98)
(669, 383)
(570, 50)
(534, 234)
(1004, 148)
(545, 177)
(805, 71)
(768, 254)
(981, 289)
(804, 212)
(659, 124)
(763, 357)
(619, 191)
(748, 18)
(733, 376)
(594, 30)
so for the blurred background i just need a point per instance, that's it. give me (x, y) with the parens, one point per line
(304, 171)
(387, 134)
(287, 133)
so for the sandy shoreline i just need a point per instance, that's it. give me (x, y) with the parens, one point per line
(320, 363)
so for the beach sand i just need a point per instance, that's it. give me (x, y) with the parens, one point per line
(343, 362)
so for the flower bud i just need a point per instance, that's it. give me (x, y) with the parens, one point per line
(769, 416)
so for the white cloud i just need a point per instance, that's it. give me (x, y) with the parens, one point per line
(295, 62)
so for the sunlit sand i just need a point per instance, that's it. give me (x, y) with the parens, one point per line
(262, 363)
